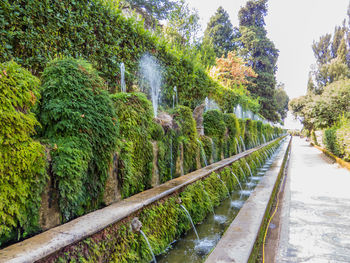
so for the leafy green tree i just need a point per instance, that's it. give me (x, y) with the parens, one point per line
(321, 111)
(207, 53)
(282, 100)
(331, 58)
(183, 24)
(219, 33)
(322, 49)
(261, 54)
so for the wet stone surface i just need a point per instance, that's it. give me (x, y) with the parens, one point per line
(316, 210)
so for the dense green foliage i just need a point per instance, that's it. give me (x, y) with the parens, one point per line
(22, 165)
(38, 31)
(135, 115)
(118, 243)
(261, 54)
(188, 137)
(214, 127)
(321, 111)
(282, 101)
(79, 123)
(337, 138)
(219, 33)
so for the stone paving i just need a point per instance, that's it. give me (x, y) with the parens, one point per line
(316, 209)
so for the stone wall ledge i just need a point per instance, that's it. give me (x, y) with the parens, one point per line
(237, 243)
(51, 241)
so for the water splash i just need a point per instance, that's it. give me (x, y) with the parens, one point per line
(149, 246)
(190, 218)
(151, 74)
(210, 105)
(238, 111)
(122, 77)
(264, 138)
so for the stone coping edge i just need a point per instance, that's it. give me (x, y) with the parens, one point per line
(52, 240)
(340, 161)
(238, 242)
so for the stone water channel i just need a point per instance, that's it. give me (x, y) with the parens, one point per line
(189, 248)
(186, 249)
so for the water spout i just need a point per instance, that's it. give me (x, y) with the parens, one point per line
(237, 144)
(190, 218)
(136, 226)
(223, 183)
(152, 74)
(149, 246)
(122, 75)
(239, 183)
(250, 171)
(244, 149)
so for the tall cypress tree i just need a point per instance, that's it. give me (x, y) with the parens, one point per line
(219, 33)
(261, 54)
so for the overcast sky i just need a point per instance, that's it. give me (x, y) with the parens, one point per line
(292, 25)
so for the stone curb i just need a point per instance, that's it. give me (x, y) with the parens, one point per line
(237, 243)
(340, 161)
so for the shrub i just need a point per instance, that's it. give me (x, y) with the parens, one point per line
(79, 122)
(330, 140)
(22, 166)
(343, 138)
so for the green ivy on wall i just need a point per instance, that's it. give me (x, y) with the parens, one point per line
(79, 123)
(22, 167)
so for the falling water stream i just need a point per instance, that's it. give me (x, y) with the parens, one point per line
(149, 246)
(191, 248)
(190, 218)
(244, 149)
(122, 77)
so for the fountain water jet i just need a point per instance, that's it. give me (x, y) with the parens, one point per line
(149, 246)
(151, 73)
(122, 77)
(190, 218)
(244, 149)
